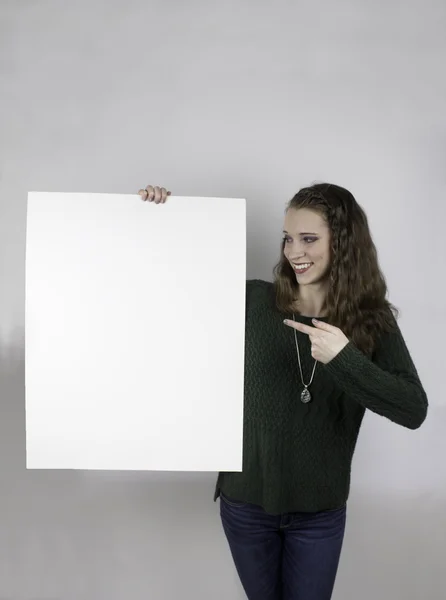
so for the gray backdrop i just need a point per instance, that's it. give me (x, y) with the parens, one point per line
(228, 98)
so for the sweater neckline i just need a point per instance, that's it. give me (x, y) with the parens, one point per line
(299, 317)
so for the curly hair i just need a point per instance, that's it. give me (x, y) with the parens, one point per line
(356, 298)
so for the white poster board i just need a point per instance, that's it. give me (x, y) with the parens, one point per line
(135, 316)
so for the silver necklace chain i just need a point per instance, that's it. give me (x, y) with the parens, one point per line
(305, 395)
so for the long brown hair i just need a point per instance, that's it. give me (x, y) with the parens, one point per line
(356, 299)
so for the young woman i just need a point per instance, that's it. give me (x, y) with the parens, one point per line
(307, 385)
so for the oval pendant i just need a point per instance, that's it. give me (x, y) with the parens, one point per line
(305, 396)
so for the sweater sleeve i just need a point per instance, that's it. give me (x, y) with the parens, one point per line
(389, 385)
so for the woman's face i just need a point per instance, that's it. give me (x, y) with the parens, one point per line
(307, 245)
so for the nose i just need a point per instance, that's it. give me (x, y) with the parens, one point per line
(296, 254)
(297, 257)
(296, 247)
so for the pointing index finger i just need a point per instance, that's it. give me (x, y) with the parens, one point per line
(299, 326)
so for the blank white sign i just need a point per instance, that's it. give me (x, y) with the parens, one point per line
(135, 318)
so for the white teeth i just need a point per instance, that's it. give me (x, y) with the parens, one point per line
(302, 267)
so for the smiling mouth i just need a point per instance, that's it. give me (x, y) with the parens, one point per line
(302, 267)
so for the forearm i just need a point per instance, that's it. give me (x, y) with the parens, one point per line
(396, 394)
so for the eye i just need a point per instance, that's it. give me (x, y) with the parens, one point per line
(308, 240)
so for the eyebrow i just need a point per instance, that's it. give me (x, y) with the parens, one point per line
(302, 233)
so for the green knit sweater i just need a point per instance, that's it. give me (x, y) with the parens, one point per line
(297, 457)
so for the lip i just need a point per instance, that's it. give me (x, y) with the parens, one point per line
(302, 263)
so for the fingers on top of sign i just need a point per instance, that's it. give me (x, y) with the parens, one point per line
(155, 194)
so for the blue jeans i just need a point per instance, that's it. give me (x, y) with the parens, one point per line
(292, 556)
